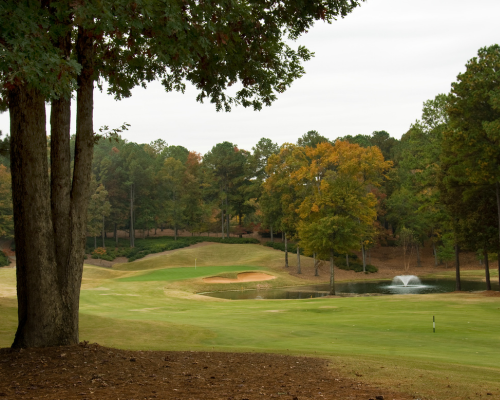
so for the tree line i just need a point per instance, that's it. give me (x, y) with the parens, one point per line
(438, 183)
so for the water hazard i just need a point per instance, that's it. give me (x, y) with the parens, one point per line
(353, 288)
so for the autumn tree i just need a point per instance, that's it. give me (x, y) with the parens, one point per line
(338, 208)
(52, 49)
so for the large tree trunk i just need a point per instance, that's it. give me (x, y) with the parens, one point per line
(286, 252)
(458, 285)
(39, 305)
(50, 217)
(298, 260)
(332, 273)
(487, 270)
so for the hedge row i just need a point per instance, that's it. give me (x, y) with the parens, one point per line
(143, 247)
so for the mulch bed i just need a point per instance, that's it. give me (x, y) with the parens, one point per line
(89, 371)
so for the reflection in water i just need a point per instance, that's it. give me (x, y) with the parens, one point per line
(352, 288)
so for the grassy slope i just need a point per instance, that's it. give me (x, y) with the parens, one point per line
(386, 339)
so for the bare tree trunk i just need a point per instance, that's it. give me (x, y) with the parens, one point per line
(272, 236)
(417, 247)
(458, 285)
(363, 256)
(497, 187)
(435, 254)
(222, 219)
(332, 274)
(132, 230)
(286, 252)
(175, 231)
(298, 260)
(487, 270)
(227, 218)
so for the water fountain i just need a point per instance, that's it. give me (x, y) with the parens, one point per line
(406, 280)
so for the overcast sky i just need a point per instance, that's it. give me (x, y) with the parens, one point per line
(372, 71)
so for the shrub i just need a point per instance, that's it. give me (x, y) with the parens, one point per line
(292, 248)
(355, 266)
(4, 260)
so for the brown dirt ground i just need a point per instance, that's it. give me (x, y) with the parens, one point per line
(94, 372)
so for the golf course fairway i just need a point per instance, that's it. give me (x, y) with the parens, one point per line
(381, 339)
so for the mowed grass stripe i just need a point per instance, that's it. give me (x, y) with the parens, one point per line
(178, 274)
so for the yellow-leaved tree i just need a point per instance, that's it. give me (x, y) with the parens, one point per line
(338, 211)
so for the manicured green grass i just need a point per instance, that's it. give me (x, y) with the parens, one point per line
(177, 274)
(385, 340)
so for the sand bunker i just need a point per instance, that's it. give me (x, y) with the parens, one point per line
(243, 277)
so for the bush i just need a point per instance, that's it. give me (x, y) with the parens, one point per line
(355, 266)
(292, 248)
(4, 260)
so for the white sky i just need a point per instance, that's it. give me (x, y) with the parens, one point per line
(372, 71)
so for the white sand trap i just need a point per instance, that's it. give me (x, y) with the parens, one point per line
(243, 277)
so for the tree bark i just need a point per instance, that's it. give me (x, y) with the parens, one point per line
(222, 219)
(435, 254)
(497, 189)
(298, 260)
(332, 274)
(363, 256)
(458, 285)
(419, 263)
(39, 305)
(498, 256)
(487, 270)
(227, 218)
(286, 252)
(132, 230)
(50, 217)
(103, 234)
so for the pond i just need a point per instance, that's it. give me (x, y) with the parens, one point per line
(433, 285)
